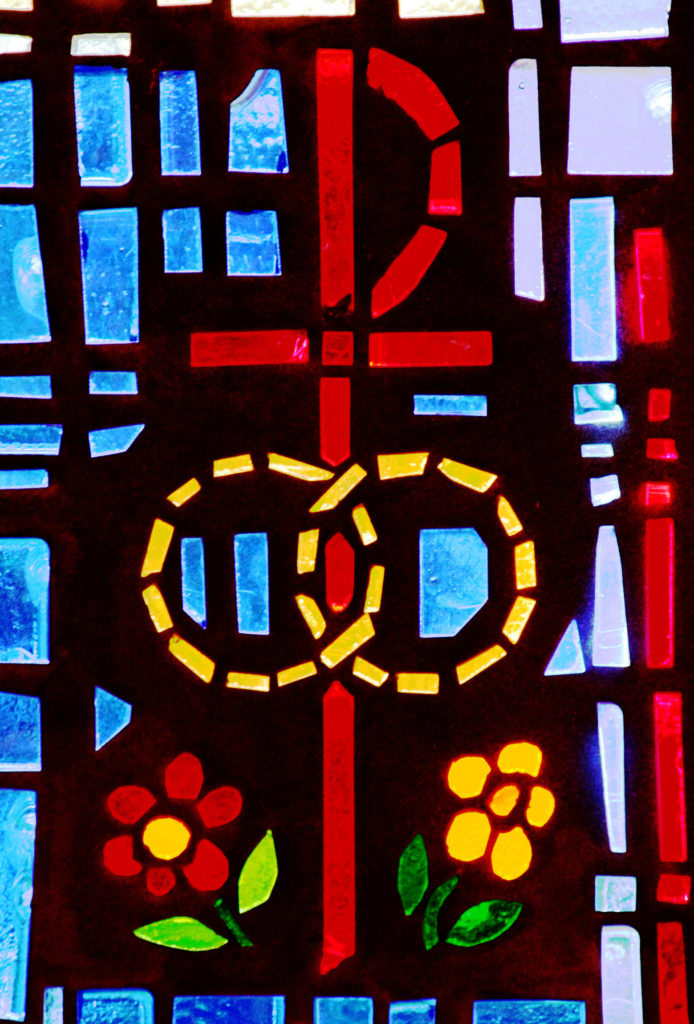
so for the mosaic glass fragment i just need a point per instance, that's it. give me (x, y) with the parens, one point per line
(593, 287)
(222, 1009)
(111, 716)
(339, 573)
(23, 309)
(126, 1005)
(178, 933)
(102, 118)
(182, 234)
(193, 658)
(365, 528)
(674, 889)
(468, 836)
(567, 659)
(193, 591)
(528, 257)
(524, 157)
(467, 476)
(337, 348)
(413, 91)
(30, 438)
(350, 640)
(370, 673)
(292, 8)
(620, 968)
(473, 666)
(112, 382)
(527, 14)
(656, 495)
(17, 841)
(417, 682)
(596, 405)
(335, 419)
(296, 673)
(439, 8)
(670, 785)
(597, 451)
(11, 43)
(17, 134)
(467, 776)
(343, 1010)
(179, 127)
(604, 489)
(252, 575)
(101, 44)
(23, 479)
(672, 973)
(312, 615)
(484, 922)
(445, 184)
(307, 550)
(24, 586)
(300, 470)
(248, 681)
(611, 740)
(615, 894)
(592, 21)
(659, 404)
(610, 628)
(248, 348)
(518, 618)
(374, 588)
(113, 440)
(407, 270)
(524, 758)
(156, 606)
(26, 387)
(53, 1005)
(526, 571)
(185, 492)
(507, 517)
(339, 490)
(661, 448)
(16, 5)
(659, 592)
(413, 874)
(413, 1011)
(157, 547)
(253, 244)
(390, 467)
(232, 466)
(110, 287)
(20, 733)
(430, 348)
(257, 133)
(528, 1011)
(652, 285)
(430, 924)
(453, 580)
(258, 875)
(450, 405)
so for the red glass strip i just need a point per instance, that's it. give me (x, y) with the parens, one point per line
(339, 573)
(659, 402)
(445, 182)
(338, 348)
(660, 593)
(669, 767)
(413, 91)
(248, 348)
(335, 412)
(662, 448)
(338, 828)
(674, 889)
(651, 275)
(334, 100)
(431, 348)
(656, 495)
(407, 270)
(672, 974)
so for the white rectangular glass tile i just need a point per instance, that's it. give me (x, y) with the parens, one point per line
(528, 259)
(611, 742)
(292, 8)
(610, 629)
(595, 21)
(620, 969)
(593, 287)
(10, 43)
(527, 14)
(524, 158)
(101, 44)
(604, 489)
(597, 451)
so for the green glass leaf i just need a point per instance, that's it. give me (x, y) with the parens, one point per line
(258, 875)
(430, 924)
(413, 874)
(181, 933)
(484, 922)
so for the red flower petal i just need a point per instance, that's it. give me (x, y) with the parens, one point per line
(209, 869)
(160, 881)
(129, 803)
(184, 777)
(220, 806)
(118, 857)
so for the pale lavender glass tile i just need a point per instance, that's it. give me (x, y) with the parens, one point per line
(597, 20)
(524, 158)
(528, 259)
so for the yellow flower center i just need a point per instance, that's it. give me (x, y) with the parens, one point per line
(166, 838)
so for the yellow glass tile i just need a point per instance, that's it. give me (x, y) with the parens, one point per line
(518, 618)
(417, 682)
(362, 521)
(348, 641)
(235, 464)
(374, 588)
(369, 672)
(292, 675)
(467, 776)
(248, 681)
(306, 550)
(340, 489)
(473, 666)
(157, 548)
(390, 467)
(156, 606)
(504, 799)
(193, 659)
(511, 854)
(166, 838)
(313, 616)
(526, 575)
(507, 517)
(522, 758)
(300, 470)
(540, 806)
(184, 493)
(467, 476)
(468, 835)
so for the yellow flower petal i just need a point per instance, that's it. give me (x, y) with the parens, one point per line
(511, 854)
(503, 800)
(166, 838)
(540, 807)
(468, 835)
(467, 776)
(524, 758)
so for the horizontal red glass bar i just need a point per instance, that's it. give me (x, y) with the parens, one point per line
(338, 348)
(248, 348)
(659, 402)
(431, 348)
(339, 573)
(407, 270)
(669, 768)
(672, 974)
(651, 276)
(656, 494)
(674, 889)
(662, 448)
(659, 596)
(335, 415)
(445, 182)
(413, 91)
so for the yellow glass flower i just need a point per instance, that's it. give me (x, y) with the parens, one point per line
(166, 838)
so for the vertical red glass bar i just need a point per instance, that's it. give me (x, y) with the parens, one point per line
(669, 768)
(338, 828)
(672, 974)
(334, 97)
(339, 573)
(660, 593)
(654, 311)
(335, 414)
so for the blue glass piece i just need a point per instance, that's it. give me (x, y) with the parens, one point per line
(228, 1010)
(615, 894)
(102, 119)
(113, 440)
(453, 580)
(413, 1011)
(179, 127)
(182, 233)
(110, 292)
(596, 405)
(610, 629)
(567, 659)
(53, 1006)
(252, 583)
(593, 288)
(26, 387)
(343, 1010)
(20, 733)
(450, 405)
(620, 969)
(24, 579)
(597, 451)
(112, 382)
(111, 1005)
(611, 740)
(253, 244)
(30, 438)
(111, 716)
(604, 489)
(257, 133)
(17, 134)
(193, 579)
(23, 310)
(528, 251)
(23, 479)
(17, 842)
(528, 1011)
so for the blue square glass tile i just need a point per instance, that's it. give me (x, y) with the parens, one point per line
(115, 1006)
(20, 733)
(24, 582)
(253, 244)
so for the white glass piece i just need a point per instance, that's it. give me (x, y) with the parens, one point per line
(101, 44)
(524, 158)
(593, 287)
(10, 43)
(597, 20)
(597, 451)
(439, 8)
(620, 969)
(604, 489)
(610, 631)
(292, 8)
(611, 740)
(615, 894)
(528, 260)
(527, 14)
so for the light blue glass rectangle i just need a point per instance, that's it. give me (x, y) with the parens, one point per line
(453, 579)
(115, 1006)
(23, 309)
(112, 382)
(113, 440)
(110, 266)
(53, 1005)
(604, 489)
(527, 14)
(17, 842)
(611, 742)
(450, 405)
(20, 733)
(528, 253)
(26, 387)
(524, 154)
(17, 134)
(24, 583)
(528, 1011)
(228, 1010)
(252, 574)
(343, 1010)
(182, 233)
(595, 21)
(179, 128)
(413, 1011)
(593, 288)
(610, 628)
(620, 970)
(253, 244)
(193, 579)
(23, 479)
(597, 451)
(615, 894)
(102, 121)
(30, 438)
(257, 133)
